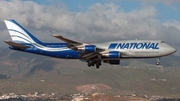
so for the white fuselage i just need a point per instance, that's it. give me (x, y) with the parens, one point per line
(139, 48)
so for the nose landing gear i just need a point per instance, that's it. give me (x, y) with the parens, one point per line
(158, 61)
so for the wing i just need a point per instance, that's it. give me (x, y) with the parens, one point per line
(67, 40)
(77, 46)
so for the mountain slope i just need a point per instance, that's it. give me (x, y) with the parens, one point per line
(30, 73)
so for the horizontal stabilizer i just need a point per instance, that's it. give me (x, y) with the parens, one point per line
(16, 45)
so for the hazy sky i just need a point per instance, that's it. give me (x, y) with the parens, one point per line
(95, 20)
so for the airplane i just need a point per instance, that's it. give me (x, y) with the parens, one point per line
(92, 53)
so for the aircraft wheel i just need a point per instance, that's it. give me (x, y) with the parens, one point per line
(157, 63)
(97, 66)
(89, 64)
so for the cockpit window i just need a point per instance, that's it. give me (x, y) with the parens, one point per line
(162, 41)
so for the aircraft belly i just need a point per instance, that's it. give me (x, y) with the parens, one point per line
(147, 53)
(142, 53)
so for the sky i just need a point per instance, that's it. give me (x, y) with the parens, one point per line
(95, 20)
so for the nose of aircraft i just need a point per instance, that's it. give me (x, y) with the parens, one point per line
(171, 50)
(174, 50)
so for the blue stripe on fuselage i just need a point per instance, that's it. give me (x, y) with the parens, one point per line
(65, 54)
(55, 45)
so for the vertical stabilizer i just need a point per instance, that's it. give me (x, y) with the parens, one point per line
(19, 34)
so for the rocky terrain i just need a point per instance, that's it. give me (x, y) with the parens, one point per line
(23, 73)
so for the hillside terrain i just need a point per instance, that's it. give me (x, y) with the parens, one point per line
(24, 73)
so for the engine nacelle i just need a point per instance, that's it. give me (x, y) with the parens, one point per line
(112, 62)
(113, 54)
(88, 48)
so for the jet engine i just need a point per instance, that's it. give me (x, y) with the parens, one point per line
(88, 48)
(113, 54)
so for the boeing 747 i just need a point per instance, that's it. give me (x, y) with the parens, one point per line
(94, 54)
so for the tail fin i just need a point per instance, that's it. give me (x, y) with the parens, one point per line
(19, 34)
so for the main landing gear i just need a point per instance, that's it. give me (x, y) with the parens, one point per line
(95, 62)
(157, 61)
